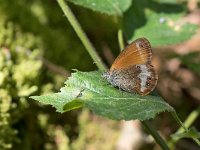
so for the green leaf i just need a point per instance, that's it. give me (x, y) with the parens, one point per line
(110, 7)
(158, 22)
(191, 133)
(90, 90)
(167, 1)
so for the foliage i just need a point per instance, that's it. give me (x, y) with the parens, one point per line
(21, 72)
(19, 68)
(89, 90)
(54, 33)
(112, 7)
(191, 133)
(83, 90)
(39, 30)
(159, 22)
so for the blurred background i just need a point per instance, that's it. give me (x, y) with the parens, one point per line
(39, 49)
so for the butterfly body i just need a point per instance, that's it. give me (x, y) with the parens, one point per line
(132, 70)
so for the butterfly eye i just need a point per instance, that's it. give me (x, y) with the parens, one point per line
(149, 79)
(148, 84)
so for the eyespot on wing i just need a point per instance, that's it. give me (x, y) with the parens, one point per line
(148, 83)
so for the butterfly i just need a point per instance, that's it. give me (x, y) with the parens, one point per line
(132, 70)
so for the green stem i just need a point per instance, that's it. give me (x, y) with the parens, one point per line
(120, 39)
(155, 135)
(91, 50)
(81, 34)
(191, 118)
(184, 126)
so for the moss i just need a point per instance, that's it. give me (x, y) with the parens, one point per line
(19, 70)
(30, 30)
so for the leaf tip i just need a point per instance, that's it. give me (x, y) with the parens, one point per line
(34, 97)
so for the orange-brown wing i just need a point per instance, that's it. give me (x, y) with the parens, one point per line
(138, 52)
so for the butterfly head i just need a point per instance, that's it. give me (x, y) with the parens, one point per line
(106, 75)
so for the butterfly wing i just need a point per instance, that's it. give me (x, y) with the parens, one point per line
(146, 79)
(140, 79)
(138, 52)
(132, 70)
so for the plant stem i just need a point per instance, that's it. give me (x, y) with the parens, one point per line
(120, 39)
(191, 118)
(81, 34)
(155, 135)
(91, 50)
(179, 121)
(184, 126)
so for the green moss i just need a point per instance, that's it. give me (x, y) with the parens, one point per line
(19, 72)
